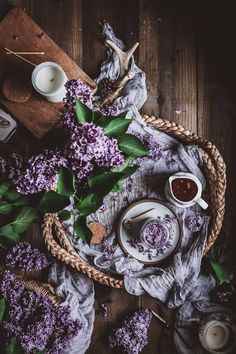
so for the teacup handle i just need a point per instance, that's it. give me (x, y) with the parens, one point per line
(202, 203)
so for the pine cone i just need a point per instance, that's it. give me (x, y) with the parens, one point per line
(106, 86)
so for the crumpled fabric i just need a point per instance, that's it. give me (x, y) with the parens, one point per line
(77, 291)
(180, 285)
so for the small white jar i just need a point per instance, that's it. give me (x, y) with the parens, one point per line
(49, 80)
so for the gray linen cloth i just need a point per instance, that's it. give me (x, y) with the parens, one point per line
(179, 285)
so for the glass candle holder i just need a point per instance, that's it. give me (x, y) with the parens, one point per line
(49, 80)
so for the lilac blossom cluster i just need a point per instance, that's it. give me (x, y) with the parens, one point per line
(80, 90)
(195, 222)
(132, 337)
(154, 147)
(155, 234)
(34, 320)
(35, 174)
(225, 292)
(88, 143)
(22, 256)
(108, 252)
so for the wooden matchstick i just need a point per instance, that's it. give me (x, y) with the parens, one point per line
(19, 56)
(26, 53)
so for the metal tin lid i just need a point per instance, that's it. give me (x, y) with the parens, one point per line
(7, 126)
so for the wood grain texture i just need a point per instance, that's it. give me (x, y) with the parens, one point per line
(190, 79)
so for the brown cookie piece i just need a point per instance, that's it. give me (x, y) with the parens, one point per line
(99, 232)
(17, 88)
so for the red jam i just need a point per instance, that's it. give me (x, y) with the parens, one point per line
(184, 189)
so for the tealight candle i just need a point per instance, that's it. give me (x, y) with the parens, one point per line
(217, 335)
(49, 80)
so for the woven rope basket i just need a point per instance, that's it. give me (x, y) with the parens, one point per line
(43, 288)
(214, 168)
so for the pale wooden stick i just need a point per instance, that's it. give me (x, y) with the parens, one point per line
(26, 53)
(19, 56)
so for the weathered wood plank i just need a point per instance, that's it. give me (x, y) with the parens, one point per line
(177, 66)
(148, 52)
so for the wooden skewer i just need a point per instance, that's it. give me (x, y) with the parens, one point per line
(26, 53)
(19, 56)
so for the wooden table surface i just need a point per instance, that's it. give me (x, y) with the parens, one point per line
(186, 50)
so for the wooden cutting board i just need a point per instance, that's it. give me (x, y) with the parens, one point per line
(19, 32)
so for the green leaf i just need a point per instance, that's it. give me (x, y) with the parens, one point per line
(4, 187)
(123, 115)
(5, 208)
(66, 182)
(82, 230)
(221, 247)
(117, 127)
(127, 163)
(222, 271)
(117, 187)
(102, 184)
(52, 202)
(64, 215)
(21, 201)
(9, 234)
(101, 121)
(129, 170)
(2, 307)
(83, 113)
(132, 146)
(89, 204)
(12, 195)
(24, 217)
(14, 347)
(96, 116)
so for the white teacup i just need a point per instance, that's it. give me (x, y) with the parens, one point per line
(196, 198)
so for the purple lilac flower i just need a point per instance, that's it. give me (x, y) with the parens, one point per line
(195, 222)
(34, 320)
(22, 256)
(140, 248)
(154, 147)
(35, 174)
(108, 252)
(80, 90)
(225, 292)
(88, 143)
(9, 288)
(111, 155)
(132, 337)
(155, 234)
(102, 310)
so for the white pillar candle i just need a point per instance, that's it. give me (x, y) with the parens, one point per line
(49, 80)
(217, 335)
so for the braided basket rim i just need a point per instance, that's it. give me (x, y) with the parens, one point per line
(215, 173)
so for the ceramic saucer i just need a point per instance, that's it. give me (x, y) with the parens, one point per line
(129, 238)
